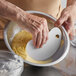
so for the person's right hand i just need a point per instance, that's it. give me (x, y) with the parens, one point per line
(37, 26)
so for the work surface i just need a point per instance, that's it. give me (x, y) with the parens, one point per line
(37, 71)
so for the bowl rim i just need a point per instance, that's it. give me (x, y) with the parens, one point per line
(47, 64)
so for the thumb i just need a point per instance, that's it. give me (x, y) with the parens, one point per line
(61, 20)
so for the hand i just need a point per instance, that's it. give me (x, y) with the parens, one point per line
(37, 26)
(67, 19)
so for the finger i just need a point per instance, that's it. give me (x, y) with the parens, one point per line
(47, 32)
(71, 25)
(43, 37)
(61, 20)
(34, 39)
(39, 39)
(34, 32)
(67, 26)
(72, 34)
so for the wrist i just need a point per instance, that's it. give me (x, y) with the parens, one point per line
(20, 15)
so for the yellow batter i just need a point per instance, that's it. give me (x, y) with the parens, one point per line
(19, 46)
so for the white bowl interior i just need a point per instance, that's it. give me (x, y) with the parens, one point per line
(12, 28)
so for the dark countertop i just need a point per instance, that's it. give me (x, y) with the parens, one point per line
(40, 71)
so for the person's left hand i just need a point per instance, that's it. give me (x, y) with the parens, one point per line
(67, 19)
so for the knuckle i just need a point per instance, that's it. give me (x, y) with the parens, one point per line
(65, 14)
(43, 20)
(38, 30)
(43, 23)
(41, 26)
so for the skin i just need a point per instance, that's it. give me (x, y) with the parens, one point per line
(68, 17)
(37, 26)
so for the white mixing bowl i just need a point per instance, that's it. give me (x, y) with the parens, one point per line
(12, 28)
